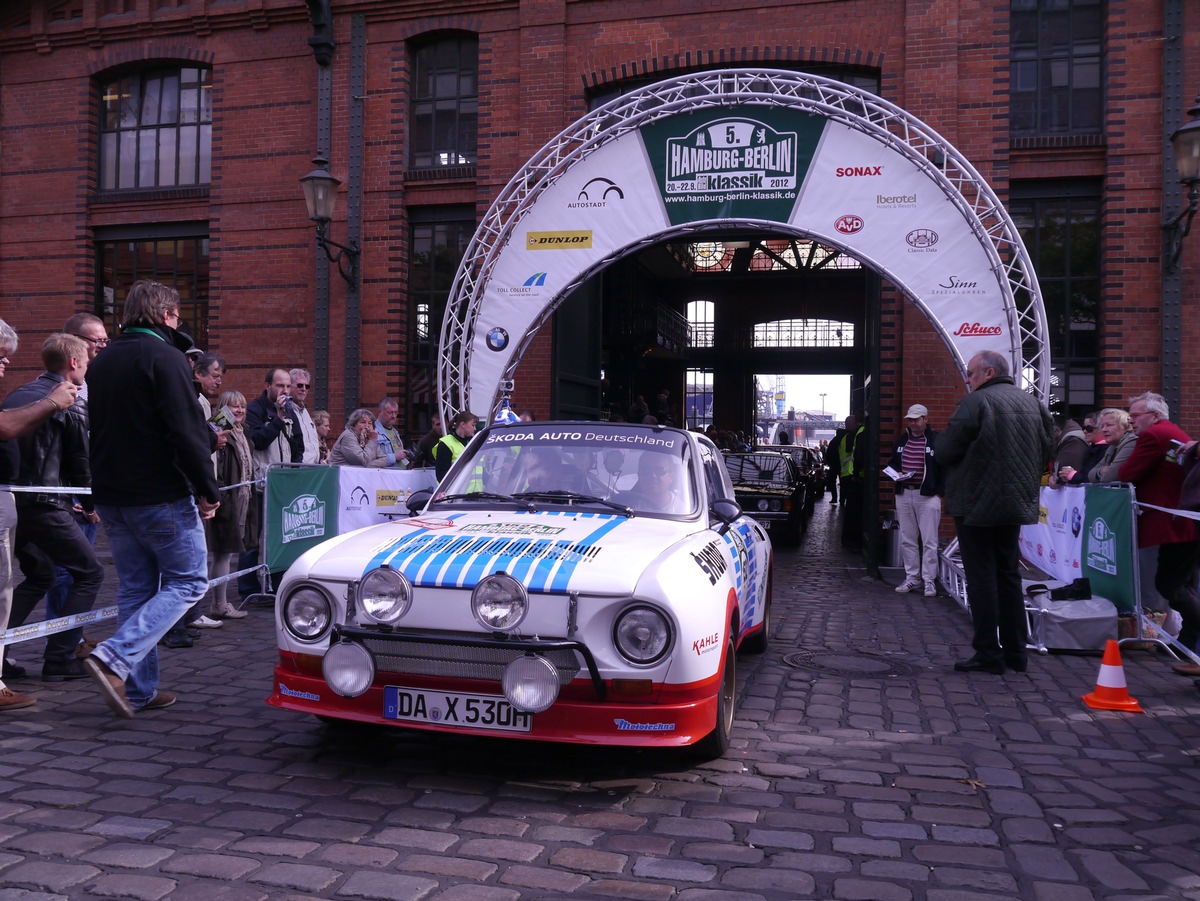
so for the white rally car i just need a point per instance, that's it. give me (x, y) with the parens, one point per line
(575, 582)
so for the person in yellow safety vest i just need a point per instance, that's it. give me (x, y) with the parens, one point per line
(450, 447)
(852, 485)
(845, 447)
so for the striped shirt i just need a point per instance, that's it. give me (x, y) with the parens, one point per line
(913, 458)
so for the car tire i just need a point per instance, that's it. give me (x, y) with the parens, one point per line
(716, 743)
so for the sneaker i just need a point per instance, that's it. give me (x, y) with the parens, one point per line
(63, 670)
(112, 687)
(906, 586)
(930, 590)
(160, 700)
(10, 700)
(226, 610)
(176, 639)
(205, 622)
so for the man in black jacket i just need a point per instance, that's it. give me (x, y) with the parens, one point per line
(55, 456)
(153, 483)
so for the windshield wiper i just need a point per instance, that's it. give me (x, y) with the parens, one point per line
(487, 496)
(559, 495)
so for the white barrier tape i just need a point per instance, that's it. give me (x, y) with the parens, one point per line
(43, 489)
(237, 575)
(242, 484)
(1186, 514)
(52, 626)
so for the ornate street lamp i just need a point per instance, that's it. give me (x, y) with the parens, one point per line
(1186, 142)
(320, 194)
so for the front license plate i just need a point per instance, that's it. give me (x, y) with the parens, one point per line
(445, 708)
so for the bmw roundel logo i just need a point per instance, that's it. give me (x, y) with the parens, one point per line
(497, 339)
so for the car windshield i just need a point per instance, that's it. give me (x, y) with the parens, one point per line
(765, 470)
(642, 468)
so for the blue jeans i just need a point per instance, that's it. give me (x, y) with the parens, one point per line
(162, 566)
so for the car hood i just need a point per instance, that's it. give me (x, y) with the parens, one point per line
(548, 551)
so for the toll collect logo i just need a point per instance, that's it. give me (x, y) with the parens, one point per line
(921, 240)
(849, 224)
(729, 155)
(526, 288)
(563, 240)
(598, 192)
(303, 518)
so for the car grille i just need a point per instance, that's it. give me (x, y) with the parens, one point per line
(411, 656)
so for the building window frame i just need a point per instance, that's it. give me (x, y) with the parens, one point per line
(1057, 67)
(155, 127)
(445, 102)
(175, 254)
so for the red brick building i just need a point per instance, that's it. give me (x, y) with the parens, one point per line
(165, 139)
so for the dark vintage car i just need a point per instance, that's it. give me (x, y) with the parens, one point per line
(769, 487)
(813, 471)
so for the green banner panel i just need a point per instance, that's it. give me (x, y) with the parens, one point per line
(1109, 543)
(301, 511)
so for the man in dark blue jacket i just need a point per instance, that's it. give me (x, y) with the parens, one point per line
(153, 483)
(55, 455)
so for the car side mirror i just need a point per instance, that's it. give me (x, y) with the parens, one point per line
(417, 500)
(726, 511)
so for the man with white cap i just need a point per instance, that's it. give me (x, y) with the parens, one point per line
(918, 502)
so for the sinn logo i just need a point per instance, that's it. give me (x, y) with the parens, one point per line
(597, 192)
(959, 286)
(977, 330)
(849, 224)
(858, 171)
(921, 239)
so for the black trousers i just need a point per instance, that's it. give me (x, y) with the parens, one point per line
(852, 515)
(991, 558)
(1175, 581)
(48, 536)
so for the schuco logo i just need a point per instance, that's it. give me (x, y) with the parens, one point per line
(977, 330)
(849, 224)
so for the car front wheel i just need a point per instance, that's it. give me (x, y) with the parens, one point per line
(716, 743)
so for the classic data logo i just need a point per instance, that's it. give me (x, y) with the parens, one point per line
(303, 518)
(572, 240)
(922, 240)
(731, 154)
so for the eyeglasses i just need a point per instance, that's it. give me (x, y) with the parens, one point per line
(1135, 415)
(659, 471)
(302, 385)
(98, 342)
(1089, 428)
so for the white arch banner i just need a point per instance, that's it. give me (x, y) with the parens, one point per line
(768, 166)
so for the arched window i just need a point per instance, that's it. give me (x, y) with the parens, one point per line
(700, 321)
(156, 128)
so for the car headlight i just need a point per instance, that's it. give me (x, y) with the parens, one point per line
(775, 505)
(642, 635)
(531, 683)
(307, 612)
(384, 595)
(763, 504)
(348, 668)
(499, 602)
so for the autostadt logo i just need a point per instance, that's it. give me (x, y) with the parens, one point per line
(849, 224)
(596, 193)
(303, 518)
(497, 338)
(921, 240)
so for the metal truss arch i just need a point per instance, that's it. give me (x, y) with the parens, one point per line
(866, 113)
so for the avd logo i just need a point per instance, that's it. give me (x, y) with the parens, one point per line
(849, 224)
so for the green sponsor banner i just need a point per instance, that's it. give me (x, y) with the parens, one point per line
(1109, 544)
(741, 162)
(301, 511)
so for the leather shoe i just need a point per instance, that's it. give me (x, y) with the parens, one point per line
(63, 670)
(176, 640)
(1187, 669)
(975, 665)
(12, 670)
(1017, 664)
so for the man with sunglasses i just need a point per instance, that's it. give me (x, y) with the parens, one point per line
(301, 391)
(91, 329)
(654, 491)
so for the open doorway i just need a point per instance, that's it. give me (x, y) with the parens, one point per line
(807, 406)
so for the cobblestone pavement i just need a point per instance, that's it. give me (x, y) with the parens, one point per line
(863, 767)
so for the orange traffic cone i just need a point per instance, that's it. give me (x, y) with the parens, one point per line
(1111, 693)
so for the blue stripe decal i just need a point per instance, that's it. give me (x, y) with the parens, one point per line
(563, 576)
(417, 537)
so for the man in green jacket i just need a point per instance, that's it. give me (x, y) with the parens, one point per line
(995, 449)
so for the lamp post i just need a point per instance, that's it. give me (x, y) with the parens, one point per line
(823, 393)
(1186, 144)
(320, 194)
